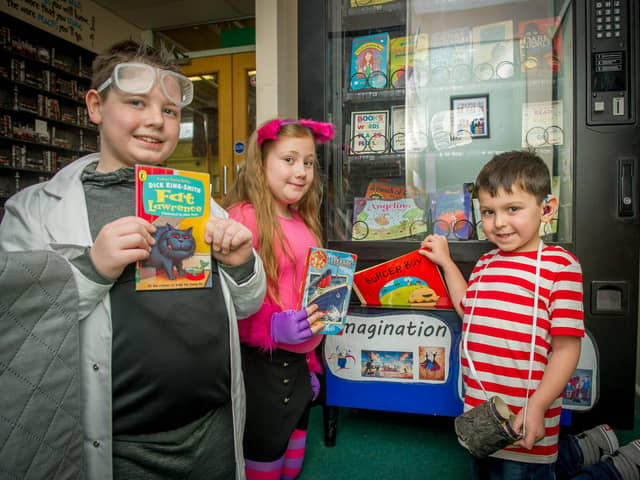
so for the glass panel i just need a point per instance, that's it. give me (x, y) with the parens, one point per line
(426, 92)
(197, 149)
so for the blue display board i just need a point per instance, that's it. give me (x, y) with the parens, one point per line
(407, 360)
(402, 360)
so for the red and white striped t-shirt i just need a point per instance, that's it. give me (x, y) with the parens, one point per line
(499, 339)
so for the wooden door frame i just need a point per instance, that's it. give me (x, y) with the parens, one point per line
(241, 64)
(219, 65)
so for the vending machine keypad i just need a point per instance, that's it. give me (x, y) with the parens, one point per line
(610, 98)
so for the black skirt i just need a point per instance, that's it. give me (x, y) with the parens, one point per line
(279, 395)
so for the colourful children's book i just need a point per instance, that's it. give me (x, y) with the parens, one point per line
(411, 280)
(552, 226)
(450, 56)
(493, 50)
(328, 279)
(406, 54)
(177, 203)
(540, 45)
(368, 3)
(386, 188)
(451, 213)
(369, 61)
(369, 134)
(387, 219)
(397, 128)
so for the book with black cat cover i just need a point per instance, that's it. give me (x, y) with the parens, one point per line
(177, 203)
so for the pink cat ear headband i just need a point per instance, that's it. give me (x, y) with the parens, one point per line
(322, 132)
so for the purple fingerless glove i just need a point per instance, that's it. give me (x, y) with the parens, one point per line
(315, 386)
(290, 326)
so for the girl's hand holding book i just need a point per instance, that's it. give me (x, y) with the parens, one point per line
(291, 326)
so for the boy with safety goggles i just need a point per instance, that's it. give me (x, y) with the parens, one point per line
(159, 370)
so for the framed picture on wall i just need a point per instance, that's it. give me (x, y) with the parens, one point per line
(470, 116)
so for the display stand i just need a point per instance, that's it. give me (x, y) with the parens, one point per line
(392, 359)
(407, 360)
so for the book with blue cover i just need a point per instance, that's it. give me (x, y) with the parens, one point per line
(328, 279)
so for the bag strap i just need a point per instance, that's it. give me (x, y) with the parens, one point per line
(534, 324)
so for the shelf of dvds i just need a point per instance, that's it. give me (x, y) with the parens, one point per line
(43, 118)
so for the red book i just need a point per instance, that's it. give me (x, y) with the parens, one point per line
(540, 45)
(411, 280)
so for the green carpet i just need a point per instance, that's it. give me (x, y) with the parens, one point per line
(373, 445)
(382, 445)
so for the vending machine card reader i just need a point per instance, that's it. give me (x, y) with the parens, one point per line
(609, 44)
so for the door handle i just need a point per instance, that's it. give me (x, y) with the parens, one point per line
(225, 169)
(626, 194)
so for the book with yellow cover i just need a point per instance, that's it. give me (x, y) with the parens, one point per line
(177, 202)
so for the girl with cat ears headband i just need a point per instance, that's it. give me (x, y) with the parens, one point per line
(322, 131)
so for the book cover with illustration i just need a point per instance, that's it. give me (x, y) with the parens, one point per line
(540, 45)
(450, 55)
(369, 61)
(542, 124)
(386, 188)
(406, 54)
(410, 280)
(368, 3)
(397, 128)
(552, 226)
(387, 219)
(177, 203)
(451, 213)
(328, 279)
(493, 50)
(369, 132)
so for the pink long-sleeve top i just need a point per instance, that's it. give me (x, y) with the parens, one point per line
(256, 329)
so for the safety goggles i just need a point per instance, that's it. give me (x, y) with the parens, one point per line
(139, 78)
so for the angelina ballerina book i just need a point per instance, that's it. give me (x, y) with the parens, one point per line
(411, 280)
(328, 278)
(177, 203)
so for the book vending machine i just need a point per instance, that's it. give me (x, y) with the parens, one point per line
(423, 94)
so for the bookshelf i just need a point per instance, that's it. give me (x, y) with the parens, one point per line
(43, 118)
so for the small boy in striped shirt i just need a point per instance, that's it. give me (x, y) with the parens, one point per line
(522, 312)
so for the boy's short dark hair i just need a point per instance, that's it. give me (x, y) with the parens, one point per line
(522, 168)
(130, 51)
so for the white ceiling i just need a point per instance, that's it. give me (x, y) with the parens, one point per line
(164, 14)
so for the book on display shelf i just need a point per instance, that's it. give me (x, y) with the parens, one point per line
(369, 132)
(540, 45)
(493, 51)
(369, 61)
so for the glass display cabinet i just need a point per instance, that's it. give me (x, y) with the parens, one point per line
(424, 93)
